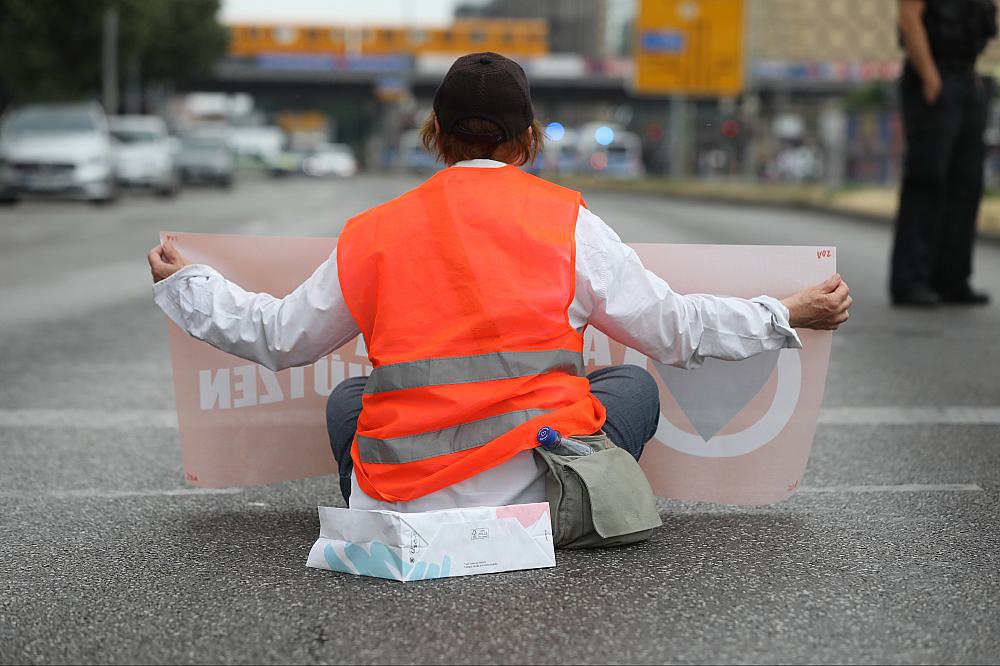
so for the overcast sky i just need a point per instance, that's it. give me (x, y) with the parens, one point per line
(408, 12)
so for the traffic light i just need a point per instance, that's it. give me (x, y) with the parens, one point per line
(731, 128)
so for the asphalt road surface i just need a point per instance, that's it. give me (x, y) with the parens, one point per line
(888, 554)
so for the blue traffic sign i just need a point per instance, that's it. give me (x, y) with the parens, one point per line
(662, 41)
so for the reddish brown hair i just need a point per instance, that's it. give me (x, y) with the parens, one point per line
(448, 148)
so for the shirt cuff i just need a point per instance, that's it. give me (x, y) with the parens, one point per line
(779, 320)
(167, 292)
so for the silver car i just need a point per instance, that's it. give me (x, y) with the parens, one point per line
(143, 154)
(206, 158)
(60, 150)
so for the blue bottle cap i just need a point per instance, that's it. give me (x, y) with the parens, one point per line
(548, 437)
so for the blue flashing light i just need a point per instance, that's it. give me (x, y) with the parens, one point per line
(555, 131)
(604, 135)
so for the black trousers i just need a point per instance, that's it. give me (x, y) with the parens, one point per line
(942, 181)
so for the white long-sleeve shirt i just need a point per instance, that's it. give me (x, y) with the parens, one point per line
(614, 293)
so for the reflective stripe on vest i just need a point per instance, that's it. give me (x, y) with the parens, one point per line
(478, 368)
(442, 442)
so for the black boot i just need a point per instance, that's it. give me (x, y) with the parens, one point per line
(917, 297)
(964, 295)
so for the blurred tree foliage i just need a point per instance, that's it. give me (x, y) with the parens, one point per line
(874, 96)
(51, 49)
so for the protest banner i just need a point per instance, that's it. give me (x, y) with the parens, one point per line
(730, 432)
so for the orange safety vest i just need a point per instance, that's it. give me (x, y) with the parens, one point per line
(461, 289)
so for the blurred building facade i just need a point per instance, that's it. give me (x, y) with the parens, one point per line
(819, 94)
(817, 102)
(840, 31)
(835, 30)
(521, 37)
(574, 27)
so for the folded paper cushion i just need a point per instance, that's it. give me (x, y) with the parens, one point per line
(433, 544)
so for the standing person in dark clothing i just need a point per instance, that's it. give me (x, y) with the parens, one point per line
(944, 113)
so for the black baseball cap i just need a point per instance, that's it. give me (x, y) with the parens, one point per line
(486, 86)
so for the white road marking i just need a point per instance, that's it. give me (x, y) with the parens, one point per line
(900, 488)
(119, 494)
(93, 493)
(931, 415)
(167, 418)
(87, 418)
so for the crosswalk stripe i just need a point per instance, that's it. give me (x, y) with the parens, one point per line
(167, 418)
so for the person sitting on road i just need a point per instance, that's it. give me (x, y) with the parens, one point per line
(472, 292)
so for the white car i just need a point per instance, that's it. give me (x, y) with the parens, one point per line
(61, 150)
(144, 154)
(330, 159)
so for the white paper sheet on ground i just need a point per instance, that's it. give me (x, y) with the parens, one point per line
(434, 544)
(731, 432)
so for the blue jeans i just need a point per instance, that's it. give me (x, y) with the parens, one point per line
(628, 393)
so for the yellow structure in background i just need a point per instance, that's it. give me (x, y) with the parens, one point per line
(305, 129)
(521, 37)
(302, 121)
(689, 47)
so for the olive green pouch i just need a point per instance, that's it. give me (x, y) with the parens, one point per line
(599, 500)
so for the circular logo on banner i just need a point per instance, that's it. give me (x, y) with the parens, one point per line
(712, 395)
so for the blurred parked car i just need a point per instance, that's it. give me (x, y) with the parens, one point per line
(609, 150)
(144, 154)
(206, 158)
(797, 164)
(256, 142)
(285, 163)
(560, 151)
(330, 159)
(413, 156)
(61, 150)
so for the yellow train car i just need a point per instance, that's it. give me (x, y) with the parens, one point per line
(520, 37)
